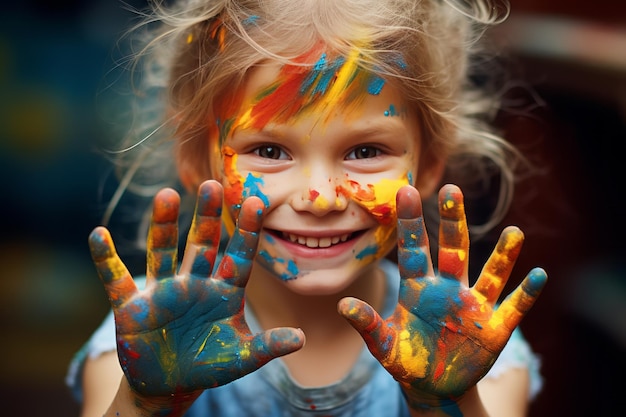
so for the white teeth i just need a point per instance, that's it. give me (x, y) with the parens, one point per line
(314, 242)
(324, 242)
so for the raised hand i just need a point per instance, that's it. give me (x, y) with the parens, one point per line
(444, 336)
(186, 331)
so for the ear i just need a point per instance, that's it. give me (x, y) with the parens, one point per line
(429, 176)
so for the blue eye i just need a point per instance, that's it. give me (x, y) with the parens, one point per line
(271, 152)
(364, 152)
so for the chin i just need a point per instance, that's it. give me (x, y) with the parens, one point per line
(320, 282)
(327, 281)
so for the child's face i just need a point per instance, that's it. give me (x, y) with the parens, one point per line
(327, 157)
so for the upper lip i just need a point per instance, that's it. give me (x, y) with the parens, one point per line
(314, 233)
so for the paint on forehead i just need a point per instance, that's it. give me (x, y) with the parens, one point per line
(317, 89)
(391, 111)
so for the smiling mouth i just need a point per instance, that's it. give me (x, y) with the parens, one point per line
(317, 242)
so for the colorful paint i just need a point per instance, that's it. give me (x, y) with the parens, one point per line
(444, 336)
(188, 322)
(311, 89)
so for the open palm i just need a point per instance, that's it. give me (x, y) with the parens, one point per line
(186, 331)
(444, 336)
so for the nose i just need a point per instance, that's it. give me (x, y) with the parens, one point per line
(319, 192)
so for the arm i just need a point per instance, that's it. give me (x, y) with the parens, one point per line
(506, 395)
(444, 335)
(185, 332)
(101, 379)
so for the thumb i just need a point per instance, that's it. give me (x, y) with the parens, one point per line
(366, 321)
(273, 343)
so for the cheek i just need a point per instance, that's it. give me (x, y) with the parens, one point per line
(379, 199)
(239, 186)
(232, 181)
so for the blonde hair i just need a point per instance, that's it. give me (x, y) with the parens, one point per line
(198, 50)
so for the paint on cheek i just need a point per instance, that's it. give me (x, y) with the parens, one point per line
(378, 199)
(384, 241)
(371, 250)
(234, 191)
(252, 187)
(286, 269)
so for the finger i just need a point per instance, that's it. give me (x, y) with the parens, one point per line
(453, 234)
(413, 248)
(498, 268)
(239, 254)
(204, 236)
(162, 250)
(370, 325)
(118, 283)
(519, 302)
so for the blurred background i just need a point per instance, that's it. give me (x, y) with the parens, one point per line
(566, 107)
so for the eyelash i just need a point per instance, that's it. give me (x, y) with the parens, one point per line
(282, 155)
(352, 155)
(258, 151)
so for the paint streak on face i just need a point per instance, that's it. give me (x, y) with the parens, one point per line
(300, 89)
(297, 91)
(234, 190)
(380, 201)
(286, 269)
(239, 187)
(312, 99)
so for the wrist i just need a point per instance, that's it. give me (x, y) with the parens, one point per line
(132, 403)
(466, 404)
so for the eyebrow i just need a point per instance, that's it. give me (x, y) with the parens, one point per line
(383, 126)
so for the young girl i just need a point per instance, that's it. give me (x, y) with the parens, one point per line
(321, 125)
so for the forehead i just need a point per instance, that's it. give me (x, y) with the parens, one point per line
(315, 83)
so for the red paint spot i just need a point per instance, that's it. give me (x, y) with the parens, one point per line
(438, 370)
(452, 327)
(383, 213)
(441, 350)
(313, 195)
